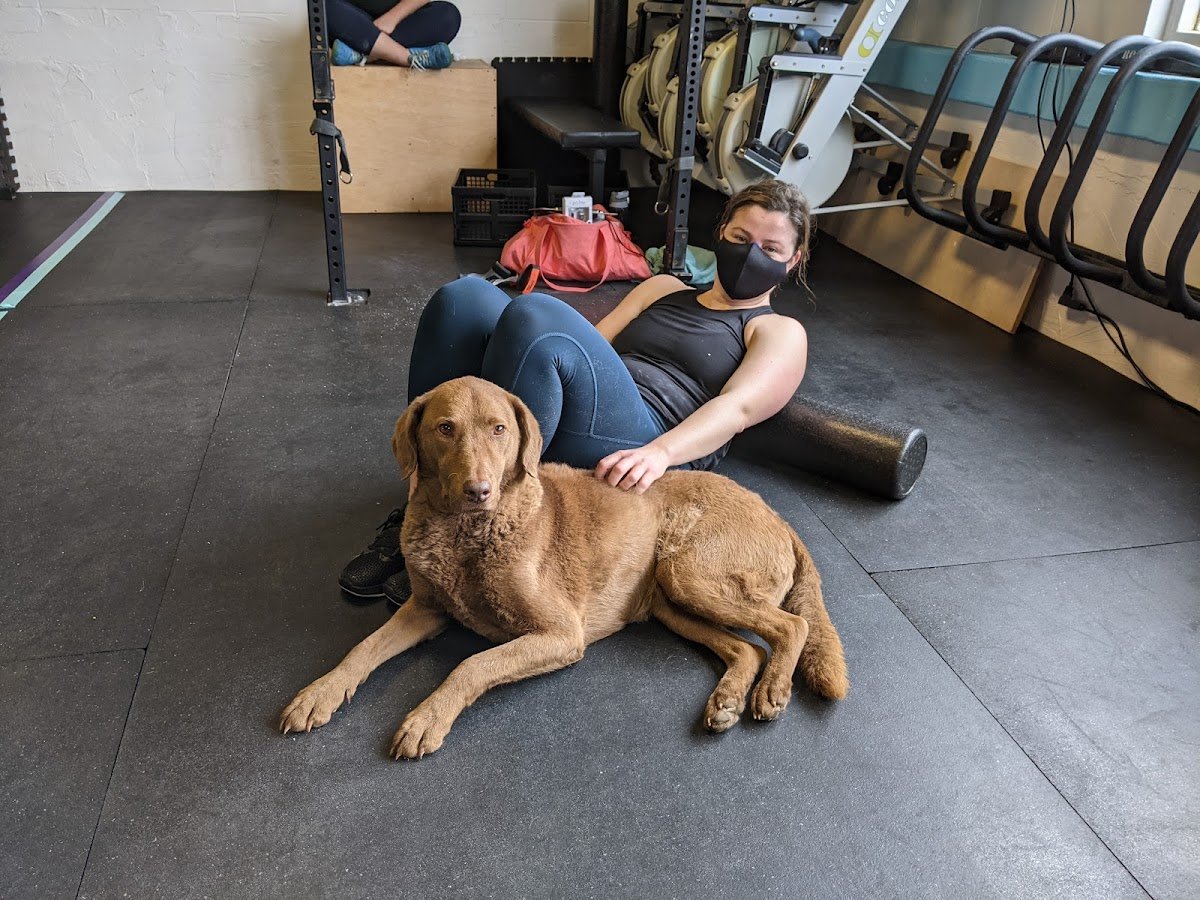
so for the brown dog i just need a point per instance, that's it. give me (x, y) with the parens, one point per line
(545, 559)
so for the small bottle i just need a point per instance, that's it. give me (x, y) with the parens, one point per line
(618, 202)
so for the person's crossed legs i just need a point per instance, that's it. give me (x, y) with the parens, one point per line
(418, 40)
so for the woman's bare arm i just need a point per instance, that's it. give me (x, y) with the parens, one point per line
(776, 357)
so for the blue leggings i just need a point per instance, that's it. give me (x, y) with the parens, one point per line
(350, 23)
(546, 353)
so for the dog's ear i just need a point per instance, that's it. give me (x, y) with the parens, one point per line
(404, 438)
(530, 451)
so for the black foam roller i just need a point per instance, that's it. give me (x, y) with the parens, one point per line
(839, 442)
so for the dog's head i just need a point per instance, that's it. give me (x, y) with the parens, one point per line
(465, 442)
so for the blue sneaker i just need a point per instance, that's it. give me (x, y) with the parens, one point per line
(436, 57)
(347, 56)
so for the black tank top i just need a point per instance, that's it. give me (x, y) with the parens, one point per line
(680, 354)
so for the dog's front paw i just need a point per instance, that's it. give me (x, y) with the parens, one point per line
(770, 698)
(423, 732)
(722, 711)
(314, 705)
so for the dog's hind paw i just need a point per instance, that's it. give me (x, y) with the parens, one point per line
(422, 733)
(313, 706)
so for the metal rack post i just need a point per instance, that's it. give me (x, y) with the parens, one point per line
(332, 163)
(8, 166)
(691, 52)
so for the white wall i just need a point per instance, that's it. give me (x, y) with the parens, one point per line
(200, 94)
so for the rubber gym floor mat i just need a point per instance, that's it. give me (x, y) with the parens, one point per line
(33, 272)
(1107, 707)
(165, 246)
(1034, 449)
(595, 778)
(61, 722)
(105, 413)
(398, 257)
(31, 221)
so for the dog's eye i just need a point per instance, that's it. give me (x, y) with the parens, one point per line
(498, 429)
(445, 428)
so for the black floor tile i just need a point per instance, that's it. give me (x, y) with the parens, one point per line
(1034, 449)
(165, 245)
(398, 257)
(593, 781)
(1092, 663)
(104, 417)
(29, 223)
(60, 725)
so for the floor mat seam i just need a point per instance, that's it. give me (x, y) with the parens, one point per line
(1018, 745)
(178, 543)
(989, 562)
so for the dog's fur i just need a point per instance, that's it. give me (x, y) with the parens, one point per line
(552, 559)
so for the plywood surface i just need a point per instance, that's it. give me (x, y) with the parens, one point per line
(994, 284)
(408, 132)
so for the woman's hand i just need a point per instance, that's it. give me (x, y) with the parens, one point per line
(633, 470)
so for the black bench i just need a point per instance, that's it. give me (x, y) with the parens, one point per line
(575, 126)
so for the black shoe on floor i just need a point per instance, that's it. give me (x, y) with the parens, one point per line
(398, 589)
(364, 575)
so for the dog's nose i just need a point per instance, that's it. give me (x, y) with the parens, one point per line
(477, 491)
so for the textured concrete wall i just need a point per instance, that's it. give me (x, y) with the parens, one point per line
(199, 94)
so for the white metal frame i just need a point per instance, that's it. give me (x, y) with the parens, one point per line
(1166, 20)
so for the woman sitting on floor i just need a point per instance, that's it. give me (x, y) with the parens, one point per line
(664, 381)
(410, 33)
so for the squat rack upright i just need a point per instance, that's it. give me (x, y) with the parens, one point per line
(332, 162)
(8, 166)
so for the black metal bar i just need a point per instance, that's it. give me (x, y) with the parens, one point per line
(936, 105)
(970, 187)
(691, 51)
(1063, 210)
(609, 29)
(1066, 121)
(8, 165)
(327, 155)
(741, 50)
(597, 159)
(1135, 242)
(1179, 296)
(639, 34)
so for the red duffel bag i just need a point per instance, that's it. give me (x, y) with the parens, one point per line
(560, 248)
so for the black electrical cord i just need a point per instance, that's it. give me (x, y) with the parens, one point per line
(1105, 320)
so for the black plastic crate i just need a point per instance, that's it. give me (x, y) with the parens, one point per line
(491, 205)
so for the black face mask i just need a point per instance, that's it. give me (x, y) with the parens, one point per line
(745, 270)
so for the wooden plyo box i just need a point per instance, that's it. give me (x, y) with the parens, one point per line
(408, 132)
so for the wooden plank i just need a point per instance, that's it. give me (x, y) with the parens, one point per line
(994, 284)
(408, 132)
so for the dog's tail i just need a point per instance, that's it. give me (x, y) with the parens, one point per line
(822, 662)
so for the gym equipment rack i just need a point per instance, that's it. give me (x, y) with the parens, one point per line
(1129, 56)
(8, 165)
(333, 162)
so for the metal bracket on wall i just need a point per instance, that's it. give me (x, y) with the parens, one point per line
(8, 166)
(332, 166)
